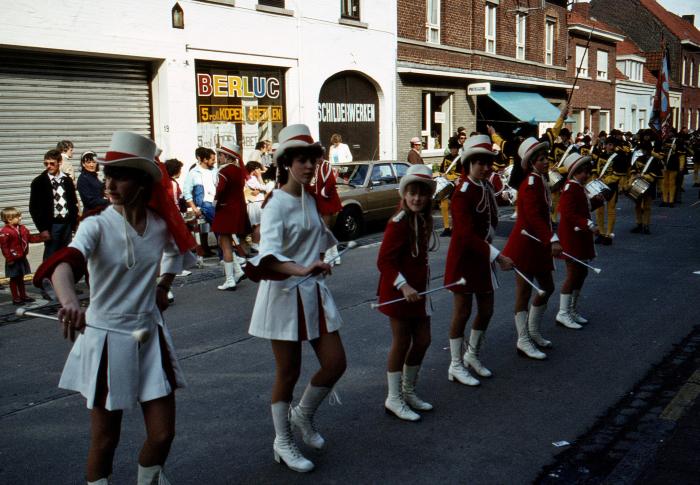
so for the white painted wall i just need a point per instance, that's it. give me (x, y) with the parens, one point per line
(311, 43)
(632, 95)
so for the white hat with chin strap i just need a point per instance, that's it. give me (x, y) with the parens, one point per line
(528, 148)
(417, 174)
(131, 150)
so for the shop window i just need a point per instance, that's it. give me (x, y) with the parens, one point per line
(432, 25)
(520, 25)
(272, 3)
(605, 121)
(490, 27)
(350, 9)
(602, 65)
(581, 61)
(549, 42)
(437, 119)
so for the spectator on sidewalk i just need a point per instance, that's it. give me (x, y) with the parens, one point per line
(14, 241)
(414, 157)
(255, 191)
(339, 152)
(90, 188)
(66, 149)
(174, 168)
(200, 191)
(53, 204)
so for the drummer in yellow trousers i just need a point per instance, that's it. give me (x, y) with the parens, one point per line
(609, 171)
(651, 171)
(670, 173)
(452, 174)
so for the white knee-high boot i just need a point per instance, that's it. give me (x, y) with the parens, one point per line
(534, 320)
(302, 416)
(578, 318)
(230, 281)
(101, 481)
(471, 356)
(284, 447)
(395, 403)
(564, 316)
(410, 377)
(525, 345)
(151, 475)
(457, 371)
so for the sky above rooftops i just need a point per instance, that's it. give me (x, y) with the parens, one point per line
(683, 7)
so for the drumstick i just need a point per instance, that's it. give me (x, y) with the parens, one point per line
(351, 245)
(460, 281)
(141, 335)
(597, 270)
(539, 290)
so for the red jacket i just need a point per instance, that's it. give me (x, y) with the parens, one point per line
(575, 212)
(534, 205)
(231, 215)
(14, 242)
(395, 257)
(326, 194)
(474, 212)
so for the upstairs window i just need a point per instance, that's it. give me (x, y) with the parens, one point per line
(549, 42)
(490, 28)
(602, 65)
(690, 76)
(634, 70)
(272, 3)
(432, 24)
(582, 61)
(350, 9)
(520, 23)
(683, 73)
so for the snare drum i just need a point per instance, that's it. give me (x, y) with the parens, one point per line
(443, 189)
(556, 180)
(595, 187)
(638, 187)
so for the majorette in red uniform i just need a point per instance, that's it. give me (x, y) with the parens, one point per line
(404, 272)
(576, 231)
(471, 256)
(327, 202)
(533, 257)
(231, 215)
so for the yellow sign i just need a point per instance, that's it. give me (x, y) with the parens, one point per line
(239, 114)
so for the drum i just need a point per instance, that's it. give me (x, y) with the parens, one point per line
(595, 187)
(638, 187)
(443, 189)
(556, 180)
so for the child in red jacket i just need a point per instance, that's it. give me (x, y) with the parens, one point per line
(14, 241)
(404, 272)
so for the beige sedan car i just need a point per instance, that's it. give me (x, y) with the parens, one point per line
(369, 192)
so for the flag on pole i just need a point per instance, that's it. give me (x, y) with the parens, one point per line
(661, 116)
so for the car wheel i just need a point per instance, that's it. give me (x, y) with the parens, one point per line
(348, 226)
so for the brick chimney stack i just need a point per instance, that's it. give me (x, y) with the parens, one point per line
(582, 8)
(690, 19)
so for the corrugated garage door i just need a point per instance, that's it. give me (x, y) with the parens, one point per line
(45, 98)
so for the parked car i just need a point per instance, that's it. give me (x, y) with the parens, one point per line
(369, 192)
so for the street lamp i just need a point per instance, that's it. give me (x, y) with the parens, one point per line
(178, 16)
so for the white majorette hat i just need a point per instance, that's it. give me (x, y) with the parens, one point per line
(417, 173)
(132, 150)
(528, 148)
(294, 136)
(231, 148)
(575, 160)
(477, 145)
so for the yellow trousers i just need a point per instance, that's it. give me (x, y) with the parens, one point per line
(642, 210)
(696, 171)
(612, 215)
(445, 211)
(555, 204)
(668, 186)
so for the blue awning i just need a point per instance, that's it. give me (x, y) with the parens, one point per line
(525, 106)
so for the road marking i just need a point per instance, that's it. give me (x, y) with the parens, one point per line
(684, 399)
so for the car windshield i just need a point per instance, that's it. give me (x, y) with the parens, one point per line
(352, 174)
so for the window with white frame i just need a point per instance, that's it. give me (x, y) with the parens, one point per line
(683, 72)
(605, 120)
(642, 119)
(549, 41)
(436, 119)
(520, 29)
(432, 25)
(578, 116)
(621, 118)
(690, 112)
(350, 9)
(602, 64)
(582, 61)
(691, 73)
(634, 119)
(490, 30)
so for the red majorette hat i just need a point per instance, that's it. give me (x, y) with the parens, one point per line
(294, 136)
(477, 145)
(528, 148)
(132, 150)
(420, 174)
(231, 148)
(575, 160)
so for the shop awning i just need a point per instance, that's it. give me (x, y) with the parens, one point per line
(525, 106)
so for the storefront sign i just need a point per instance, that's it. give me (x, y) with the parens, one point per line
(222, 86)
(478, 89)
(346, 112)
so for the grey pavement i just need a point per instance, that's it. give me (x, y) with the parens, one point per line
(643, 302)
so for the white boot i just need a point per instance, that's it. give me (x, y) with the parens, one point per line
(302, 416)
(564, 317)
(525, 345)
(394, 403)
(151, 475)
(534, 319)
(230, 282)
(238, 272)
(410, 377)
(457, 370)
(471, 356)
(578, 318)
(101, 481)
(284, 447)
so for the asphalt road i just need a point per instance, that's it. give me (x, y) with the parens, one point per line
(643, 302)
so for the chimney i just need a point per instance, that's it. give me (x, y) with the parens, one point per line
(582, 8)
(690, 19)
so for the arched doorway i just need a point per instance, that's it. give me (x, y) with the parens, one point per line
(348, 105)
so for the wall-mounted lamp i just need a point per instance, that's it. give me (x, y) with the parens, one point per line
(178, 17)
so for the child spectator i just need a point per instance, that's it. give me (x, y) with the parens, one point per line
(14, 241)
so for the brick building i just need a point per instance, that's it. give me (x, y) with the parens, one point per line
(593, 103)
(646, 23)
(518, 47)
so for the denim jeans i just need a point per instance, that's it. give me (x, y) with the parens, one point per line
(60, 238)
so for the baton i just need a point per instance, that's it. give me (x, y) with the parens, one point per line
(460, 281)
(596, 270)
(539, 290)
(351, 245)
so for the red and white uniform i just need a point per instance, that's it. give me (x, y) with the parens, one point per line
(327, 199)
(575, 212)
(470, 255)
(401, 262)
(231, 215)
(533, 206)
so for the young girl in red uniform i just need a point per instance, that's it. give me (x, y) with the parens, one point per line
(576, 231)
(531, 257)
(404, 272)
(327, 201)
(471, 256)
(14, 241)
